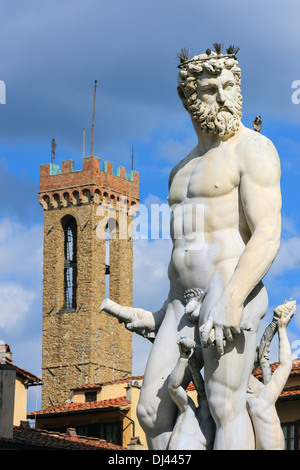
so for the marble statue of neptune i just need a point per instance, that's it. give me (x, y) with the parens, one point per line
(216, 297)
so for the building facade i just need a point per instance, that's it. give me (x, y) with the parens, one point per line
(104, 411)
(108, 411)
(87, 257)
(14, 383)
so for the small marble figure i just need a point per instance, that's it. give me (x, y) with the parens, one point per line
(194, 428)
(261, 397)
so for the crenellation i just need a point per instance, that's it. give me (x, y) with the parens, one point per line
(53, 176)
(121, 172)
(67, 166)
(63, 187)
(54, 169)
(107, 167)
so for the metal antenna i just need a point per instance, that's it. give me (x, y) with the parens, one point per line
(83, 150)
(132, 157)
(92, 144)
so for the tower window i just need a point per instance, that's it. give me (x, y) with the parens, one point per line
(111, 233)
(70, 262)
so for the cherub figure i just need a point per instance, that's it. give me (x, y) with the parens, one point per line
(261, 397)
(194, 428)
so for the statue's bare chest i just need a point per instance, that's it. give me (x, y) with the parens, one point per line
(213, 175)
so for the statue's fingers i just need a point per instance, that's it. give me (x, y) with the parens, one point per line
(132, 326)
(125, 314)
(135, 325)
(205, 331)
(228, 334)
(219, 340)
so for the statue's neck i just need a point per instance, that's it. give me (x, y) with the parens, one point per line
(207, 141)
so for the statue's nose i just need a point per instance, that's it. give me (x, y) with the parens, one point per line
(220, 95)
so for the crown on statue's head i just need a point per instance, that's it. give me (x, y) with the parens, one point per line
(217, 54)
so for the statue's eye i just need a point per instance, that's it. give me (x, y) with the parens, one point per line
(209, 89)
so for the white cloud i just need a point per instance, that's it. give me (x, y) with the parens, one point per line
(20, 276)
(288, 256)
(174, 150)
(150, 288)
(15, 305)
(141, 350)
(289, 228)
(153, 199)
(151, 283)
(21, 251)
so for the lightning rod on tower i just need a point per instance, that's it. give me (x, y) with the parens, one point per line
(53, 147)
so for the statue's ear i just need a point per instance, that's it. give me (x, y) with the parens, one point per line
(181, 93)
(182, 96)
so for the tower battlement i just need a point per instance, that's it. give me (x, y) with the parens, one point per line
(61, 186)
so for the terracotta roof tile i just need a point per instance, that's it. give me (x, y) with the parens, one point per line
(120, 402)
(290, 393)
(190, 387)
(294, 371)
(55, 440)
(22, 372)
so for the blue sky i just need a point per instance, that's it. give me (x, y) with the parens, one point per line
(50, 55)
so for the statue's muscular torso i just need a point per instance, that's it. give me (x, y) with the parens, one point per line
(208, 226)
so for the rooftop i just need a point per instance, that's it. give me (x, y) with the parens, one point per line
(6, 358)
(40, 439)
(123, 403)
(67, 408)
(294, 371)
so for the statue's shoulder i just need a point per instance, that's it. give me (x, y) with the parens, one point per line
(254, 148)
(181, 164)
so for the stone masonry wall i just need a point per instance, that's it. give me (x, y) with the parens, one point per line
(77, 341)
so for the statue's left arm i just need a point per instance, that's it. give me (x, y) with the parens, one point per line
(260, 198)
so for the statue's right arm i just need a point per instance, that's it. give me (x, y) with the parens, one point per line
(136, 319)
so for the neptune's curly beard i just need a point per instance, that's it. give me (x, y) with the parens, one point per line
(216, 119)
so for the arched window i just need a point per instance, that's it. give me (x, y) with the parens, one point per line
(70, 262)
(111, 233)
(107, 262)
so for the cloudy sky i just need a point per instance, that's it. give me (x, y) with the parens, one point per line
(50, 55)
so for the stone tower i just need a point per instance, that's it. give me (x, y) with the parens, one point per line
(87, 219)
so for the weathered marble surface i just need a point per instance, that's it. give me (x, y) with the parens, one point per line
(216, 298)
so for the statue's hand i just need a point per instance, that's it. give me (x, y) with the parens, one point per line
(187, 346)
(141, 322)
(284, 313)
(135, 319)
(223, 322)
